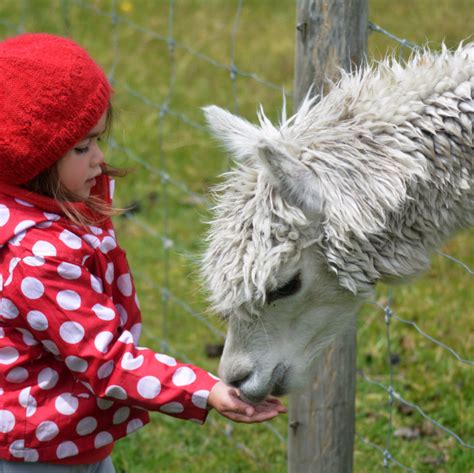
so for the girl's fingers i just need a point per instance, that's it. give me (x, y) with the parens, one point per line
(271, 404)
(257, 417)
(239, 406)
(261, 413)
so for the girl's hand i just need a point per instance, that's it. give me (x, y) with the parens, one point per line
(225, 400)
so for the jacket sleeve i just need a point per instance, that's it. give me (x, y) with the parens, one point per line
(57, 304)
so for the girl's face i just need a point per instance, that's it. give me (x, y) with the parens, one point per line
(79, 167)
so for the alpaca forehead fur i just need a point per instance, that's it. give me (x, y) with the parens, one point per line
(254, 232)
(375, 122)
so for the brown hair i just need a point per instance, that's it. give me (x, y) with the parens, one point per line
(47, 183)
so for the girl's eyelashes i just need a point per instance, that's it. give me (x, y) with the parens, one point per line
(85, 148)
(82, 150)
(99, 139)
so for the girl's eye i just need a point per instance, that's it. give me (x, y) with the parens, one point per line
(288, 289)
(82, 150)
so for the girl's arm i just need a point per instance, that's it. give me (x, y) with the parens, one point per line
(82, 327)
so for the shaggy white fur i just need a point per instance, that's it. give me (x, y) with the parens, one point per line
(356, 188)
(383, 163)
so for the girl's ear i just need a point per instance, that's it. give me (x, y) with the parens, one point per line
(238, 135)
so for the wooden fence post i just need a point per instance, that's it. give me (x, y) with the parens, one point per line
(330, 34)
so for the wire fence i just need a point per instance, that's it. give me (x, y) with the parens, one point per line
(164, 111)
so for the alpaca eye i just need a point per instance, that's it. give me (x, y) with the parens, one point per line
(288, 289)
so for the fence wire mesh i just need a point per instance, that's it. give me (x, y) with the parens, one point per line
(158, 226)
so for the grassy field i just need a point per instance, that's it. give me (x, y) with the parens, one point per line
(133, 47)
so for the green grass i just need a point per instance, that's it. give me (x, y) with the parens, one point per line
(441, 302)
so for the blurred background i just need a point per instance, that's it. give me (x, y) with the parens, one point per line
(166, 60)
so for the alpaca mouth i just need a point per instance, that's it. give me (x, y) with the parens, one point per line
(276, 386)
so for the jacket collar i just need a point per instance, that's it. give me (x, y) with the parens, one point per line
(101, 189)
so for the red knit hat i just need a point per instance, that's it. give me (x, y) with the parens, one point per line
(51, 95)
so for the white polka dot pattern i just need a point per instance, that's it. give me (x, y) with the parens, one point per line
(109, 273)
(102, 438)
(69, 271)
(133, 425)
(129, 362)
(70, 240)
(103, 312)
(24, 202)
(126, 337)
(67, 449)
(51, 346)
(37, 320)
(8, 355)
(172, 408)
(4, 215)
(28, 338)
(199, 398)
(46, 430)
(27, 401)
(33, 260)
(122, 314)
(17, 375)
(102, 341)
(68, 300)
(116, 392)
(95, 230)
(104, 404)
(86, 426)
(92, 240)
(51, 216)
(96, 284)
(136, 330)
(105, 370)
(184, 376)
(124, 283)
(108, 244)
(7, 421)
(8, 309)
(69, 293)
(47, 378)
(44, 248)
(149, 387)
(32, 288)
(165, 359)
(74, 363)
(121, 415)
(71, 332)
(66, 404)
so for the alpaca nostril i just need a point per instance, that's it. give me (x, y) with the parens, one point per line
(238, 381)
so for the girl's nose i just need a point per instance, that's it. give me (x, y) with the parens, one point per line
(99, 156)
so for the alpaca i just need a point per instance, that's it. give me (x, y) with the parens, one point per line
(357, 188)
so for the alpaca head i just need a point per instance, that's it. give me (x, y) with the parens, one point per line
(320, 208)
(265, 268)
(285, 220)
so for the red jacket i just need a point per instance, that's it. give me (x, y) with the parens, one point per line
(72, 376)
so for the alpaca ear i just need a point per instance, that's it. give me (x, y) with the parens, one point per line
(297, 183)
(238, 135)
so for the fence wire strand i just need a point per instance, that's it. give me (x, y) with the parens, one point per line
(164, 110)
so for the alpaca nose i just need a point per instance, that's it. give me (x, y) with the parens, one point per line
(239, 379)
(235, 374)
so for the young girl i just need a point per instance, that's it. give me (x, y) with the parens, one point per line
(73, 378)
